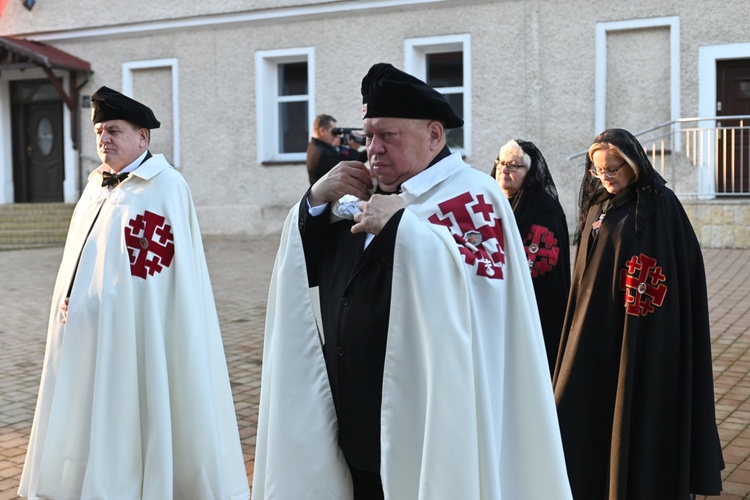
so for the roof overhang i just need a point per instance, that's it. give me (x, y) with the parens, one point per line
(20, 53)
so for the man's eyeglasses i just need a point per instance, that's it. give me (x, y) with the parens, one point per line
(609, 173)
(512, 167)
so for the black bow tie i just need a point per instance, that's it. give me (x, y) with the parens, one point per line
(110, 179)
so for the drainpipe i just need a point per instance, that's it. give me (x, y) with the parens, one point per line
(78, 134)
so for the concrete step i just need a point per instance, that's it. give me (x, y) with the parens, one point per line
(34, 225)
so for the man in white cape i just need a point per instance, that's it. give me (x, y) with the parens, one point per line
(135, 401)
(434, 322)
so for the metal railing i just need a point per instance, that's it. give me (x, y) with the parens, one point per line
(700, 157)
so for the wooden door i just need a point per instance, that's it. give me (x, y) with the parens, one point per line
(38, 153)
(733, 98)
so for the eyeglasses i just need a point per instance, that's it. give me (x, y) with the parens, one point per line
(610, 173)
(512, 167)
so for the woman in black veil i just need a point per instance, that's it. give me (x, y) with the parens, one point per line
(521, 171)
(633, 381)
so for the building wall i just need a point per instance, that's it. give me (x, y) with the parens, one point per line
(61, 16)
(533, 66)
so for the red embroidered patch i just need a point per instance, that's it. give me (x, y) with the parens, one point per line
(642, 282)
(482, 245)
(541, 250)
(150, 244)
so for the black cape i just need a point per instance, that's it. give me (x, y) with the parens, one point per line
(544, 232)
(633, 381)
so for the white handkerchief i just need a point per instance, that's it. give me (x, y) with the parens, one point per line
(348, 205)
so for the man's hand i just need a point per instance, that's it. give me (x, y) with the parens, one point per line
(348, 177)
(64, 310)
(375, 213)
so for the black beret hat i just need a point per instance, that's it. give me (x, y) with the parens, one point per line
(389, 92)
(108, 104)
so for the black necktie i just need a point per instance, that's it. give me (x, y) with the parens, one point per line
(110, 179)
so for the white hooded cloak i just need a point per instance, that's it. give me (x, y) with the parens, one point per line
(467, 404)
(135, 400)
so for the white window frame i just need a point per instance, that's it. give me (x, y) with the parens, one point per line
(129, 68)
(415, 63)
(708, 56)
(267, 99)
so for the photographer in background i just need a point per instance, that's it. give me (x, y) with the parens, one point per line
(325, 150)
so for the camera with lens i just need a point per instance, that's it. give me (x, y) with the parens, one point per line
(347, 135)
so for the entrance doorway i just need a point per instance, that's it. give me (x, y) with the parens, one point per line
(37, 125)
(733, 97)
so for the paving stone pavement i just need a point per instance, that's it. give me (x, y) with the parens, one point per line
(240, 270)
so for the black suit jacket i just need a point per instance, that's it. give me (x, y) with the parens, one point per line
(322, 157)
(355, 297)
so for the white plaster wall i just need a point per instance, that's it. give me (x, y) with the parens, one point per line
(638, 66)
(49, 15)
(533, 66)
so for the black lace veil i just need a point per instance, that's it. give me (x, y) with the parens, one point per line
(538, 181)
(648, 184)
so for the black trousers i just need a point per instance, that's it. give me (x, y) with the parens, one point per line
(367, 485)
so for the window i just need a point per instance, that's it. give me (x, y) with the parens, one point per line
(444, 63)
(285, 96)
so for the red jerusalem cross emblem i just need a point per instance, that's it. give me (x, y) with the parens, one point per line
(643, 283)
(480, 241)
(541, 250)
(150, 244)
